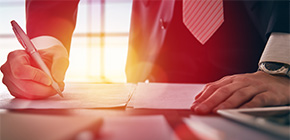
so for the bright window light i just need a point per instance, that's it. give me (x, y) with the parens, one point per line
(99, 44)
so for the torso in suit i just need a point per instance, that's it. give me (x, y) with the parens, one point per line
(161, 48)
(160, 39)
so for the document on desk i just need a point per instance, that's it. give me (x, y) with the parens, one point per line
(75, 96)
(165, 95)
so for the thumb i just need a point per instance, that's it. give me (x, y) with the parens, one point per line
(59, 67)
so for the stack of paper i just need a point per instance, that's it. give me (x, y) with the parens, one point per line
(76, 96)
(164, 95)
(145, 95)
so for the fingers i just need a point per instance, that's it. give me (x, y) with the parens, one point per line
(18, 66)
(198, 95)
(61, 85)
(23, 80)
(205, 88)
(240, 97)
(30, 73)
(59, 67)
(58, 61)
(13, 91)
(210, 88)
(28, 89)
(219, 96)
(264, 99)
(245, 90)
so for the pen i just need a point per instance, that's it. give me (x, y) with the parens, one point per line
(31, 50)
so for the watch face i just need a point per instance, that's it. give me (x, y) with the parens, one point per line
(273, 66)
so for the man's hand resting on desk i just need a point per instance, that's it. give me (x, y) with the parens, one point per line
(244, 90)
(24, 79)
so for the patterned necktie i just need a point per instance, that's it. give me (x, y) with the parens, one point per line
(203, 17)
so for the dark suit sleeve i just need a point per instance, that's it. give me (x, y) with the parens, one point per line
(279, 19)
(269, 16)
(55, 18)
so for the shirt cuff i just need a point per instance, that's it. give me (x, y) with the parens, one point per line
(43, 42)
(277, 49)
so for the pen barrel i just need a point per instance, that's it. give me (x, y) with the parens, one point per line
(37, 58)
(29, 47)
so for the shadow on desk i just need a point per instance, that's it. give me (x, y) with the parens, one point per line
(129, 123)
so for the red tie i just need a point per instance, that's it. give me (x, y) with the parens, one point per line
(203, 17)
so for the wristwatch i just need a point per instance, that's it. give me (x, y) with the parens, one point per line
(275, 68)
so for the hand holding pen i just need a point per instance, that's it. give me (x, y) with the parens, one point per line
(33, 74)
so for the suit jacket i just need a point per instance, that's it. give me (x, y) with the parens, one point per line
(163, 50)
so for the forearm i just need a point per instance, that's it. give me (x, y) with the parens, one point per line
(52, 18)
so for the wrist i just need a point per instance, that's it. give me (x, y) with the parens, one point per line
(275, 68)
(44, 42)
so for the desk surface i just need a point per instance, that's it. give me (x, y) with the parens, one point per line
(174, 118)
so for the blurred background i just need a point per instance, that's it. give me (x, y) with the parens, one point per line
(100, 41)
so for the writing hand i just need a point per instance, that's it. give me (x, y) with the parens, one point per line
(24, 79)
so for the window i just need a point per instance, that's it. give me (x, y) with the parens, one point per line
(100, 41)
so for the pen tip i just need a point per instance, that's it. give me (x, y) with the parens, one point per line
(59, 93)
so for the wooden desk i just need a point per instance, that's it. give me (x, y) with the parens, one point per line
(174, 118)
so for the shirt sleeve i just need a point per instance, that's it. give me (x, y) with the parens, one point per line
(277, 49)
(43, 42)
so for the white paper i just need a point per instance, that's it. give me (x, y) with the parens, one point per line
(147, 127)
(75, 96)
(165, 96)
